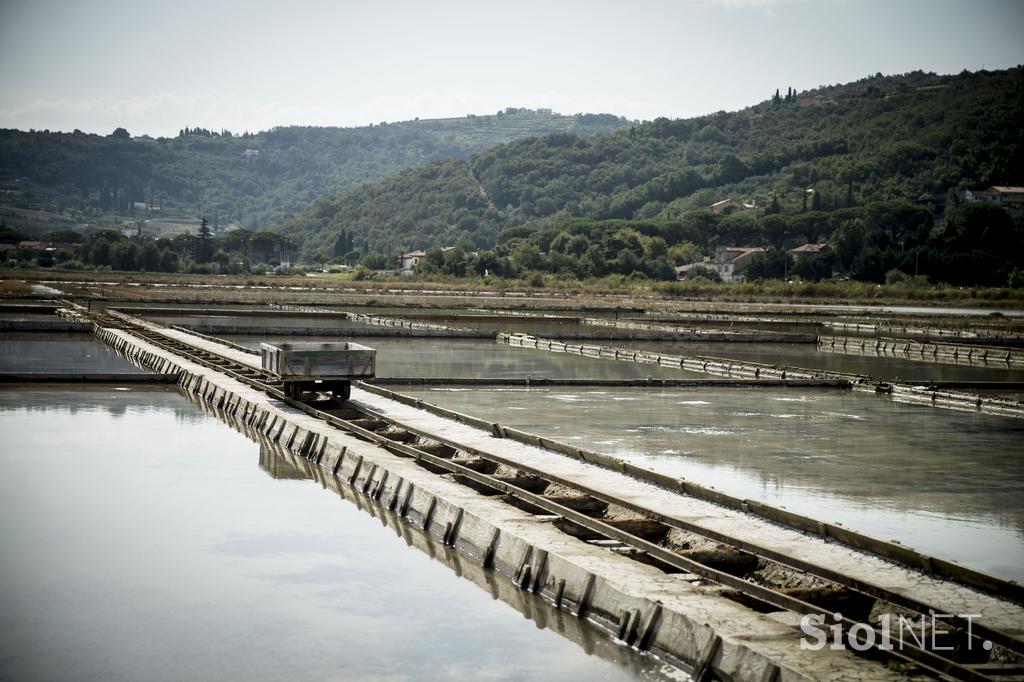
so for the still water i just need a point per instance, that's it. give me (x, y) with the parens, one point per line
(434, 357)
(56, 353)
(144, 539)
(948, 483)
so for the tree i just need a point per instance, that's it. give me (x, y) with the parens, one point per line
(731, 169)
(100, 252)
(627, 262)
(702, 273)
(223, 261)
(342, 244)
(739, 228)
(204, 243)
(376, 261)
(168, 261)
(660, 268)
(701, 226)
(684, 253)
(773, 264)
(981, 242)
(593, 261)
(777, 230)
(813, 268)
(526, 256)
(149, 257)
(124, 255)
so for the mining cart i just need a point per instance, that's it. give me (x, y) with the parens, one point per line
(320, 367)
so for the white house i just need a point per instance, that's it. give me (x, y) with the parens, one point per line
(407, 262)
(729, 262)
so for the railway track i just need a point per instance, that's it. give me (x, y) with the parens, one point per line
(743, 571)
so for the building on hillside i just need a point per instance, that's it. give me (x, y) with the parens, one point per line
(730, 205)
(807, 250)
(1010, 198)
(729, 262)
(811, 100)
(251, 154)
(407, 262)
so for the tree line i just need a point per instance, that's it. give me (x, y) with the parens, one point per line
(236, 252)
(975, 243)
(812, 166)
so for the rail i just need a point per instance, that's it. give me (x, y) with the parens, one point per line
(526, 488)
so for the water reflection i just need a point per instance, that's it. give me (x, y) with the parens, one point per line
(946, 482)
(56, 353)
(281, 464)
(54, 401)
(152, 546)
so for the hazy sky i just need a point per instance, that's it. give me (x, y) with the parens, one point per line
(154, 67)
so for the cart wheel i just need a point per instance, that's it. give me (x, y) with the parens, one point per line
(342, 392)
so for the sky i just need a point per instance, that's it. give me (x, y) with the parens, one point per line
(155, 67)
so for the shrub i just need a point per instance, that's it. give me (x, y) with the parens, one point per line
(699, 272)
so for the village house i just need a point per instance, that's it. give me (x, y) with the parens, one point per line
(729, 262)
(407, 262)
(1010, 198)
(730, 205)
(807, 250)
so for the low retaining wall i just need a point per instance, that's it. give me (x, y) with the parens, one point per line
(410, 328)
(953, 400)
(972, 335)
(926, 351)
(692, 363)
(644, 608)
(908, 393)
(893, 551)
(661, 332)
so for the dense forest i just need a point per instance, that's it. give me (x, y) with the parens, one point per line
(877, 167)
(245, 180)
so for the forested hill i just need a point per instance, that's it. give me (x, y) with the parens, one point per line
(252, 180)
(916, 137)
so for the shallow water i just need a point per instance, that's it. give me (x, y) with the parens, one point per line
(167, 546)
(948, 483)
(56, 353)
(435, 357)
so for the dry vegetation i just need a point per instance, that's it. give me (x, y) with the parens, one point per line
(548, 292)
(13, 287)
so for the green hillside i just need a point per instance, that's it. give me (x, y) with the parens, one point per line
(99, 179)
(917, 138)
